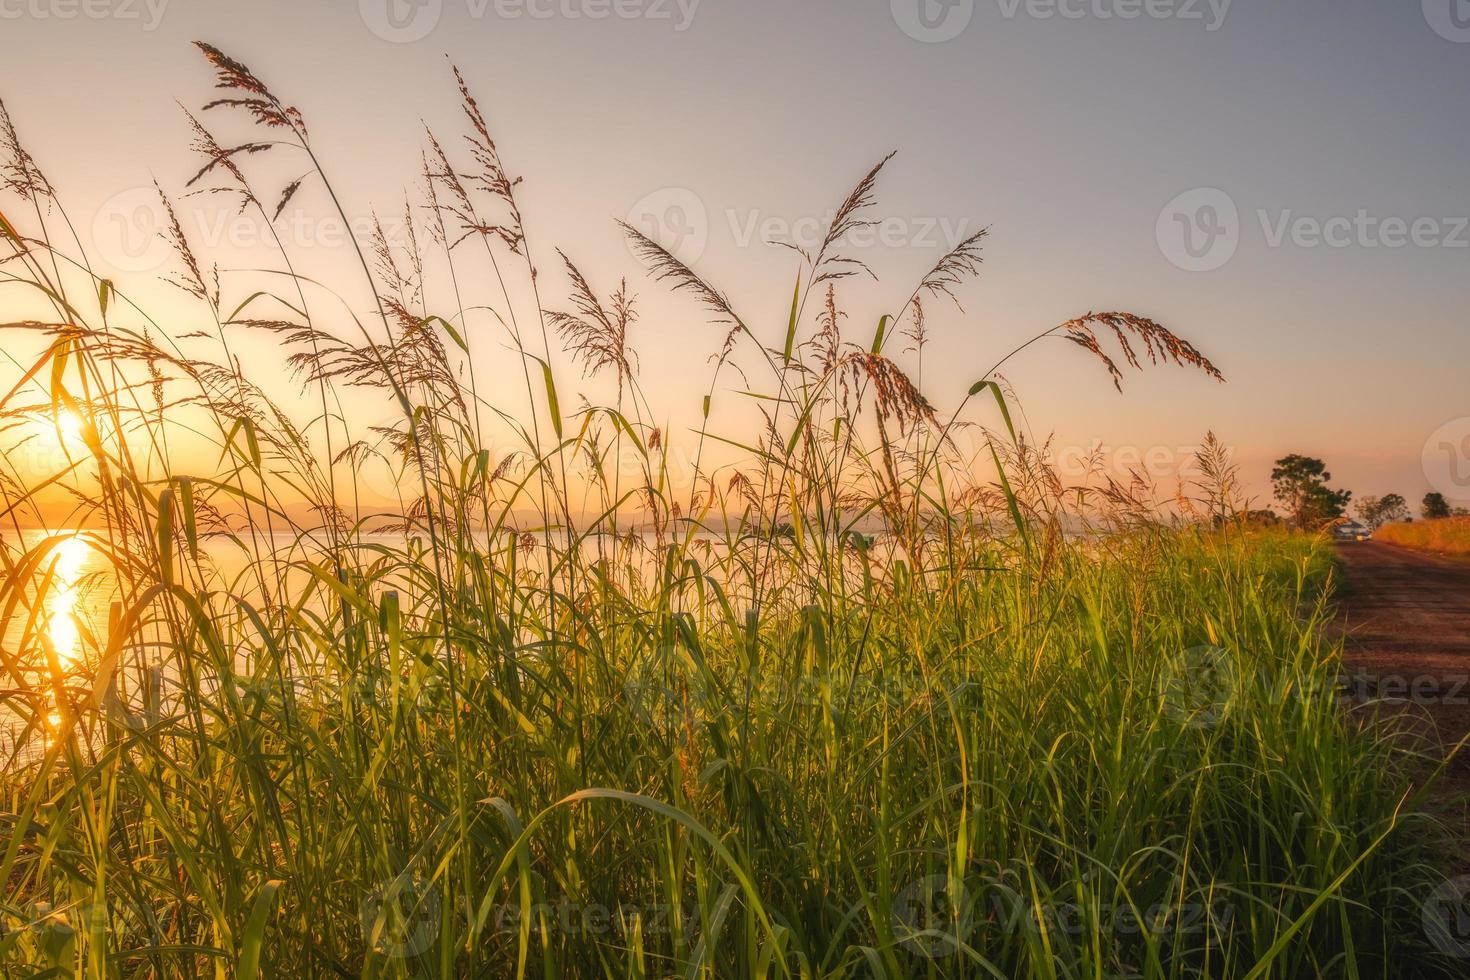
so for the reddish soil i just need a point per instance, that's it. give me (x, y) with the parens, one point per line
(1406, 621)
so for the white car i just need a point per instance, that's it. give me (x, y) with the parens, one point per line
(1351, 531)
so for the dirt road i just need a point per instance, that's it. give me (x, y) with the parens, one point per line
(1406, 622)
(1405, 611)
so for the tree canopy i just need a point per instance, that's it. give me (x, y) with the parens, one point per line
(1378, 511)
(1435, 506)
(1301, 486)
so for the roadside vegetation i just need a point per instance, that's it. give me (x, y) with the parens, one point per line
(1446, 536)
(869, 693)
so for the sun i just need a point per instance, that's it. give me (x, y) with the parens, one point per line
(69, 423)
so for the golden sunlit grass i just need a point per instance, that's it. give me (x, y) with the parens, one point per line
(1449, 536)
(880, 699)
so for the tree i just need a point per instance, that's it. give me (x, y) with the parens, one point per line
(1435, 507)
(1378, 511)
(1300, 483)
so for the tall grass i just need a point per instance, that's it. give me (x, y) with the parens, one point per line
(1449, 536)
(576, 716)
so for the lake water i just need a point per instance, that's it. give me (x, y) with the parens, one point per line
(67, 601)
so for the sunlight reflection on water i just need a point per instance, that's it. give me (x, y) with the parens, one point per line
(61, 602)
(71, 616)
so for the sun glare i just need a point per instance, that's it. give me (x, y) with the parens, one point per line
(61, 604)
(69, 425)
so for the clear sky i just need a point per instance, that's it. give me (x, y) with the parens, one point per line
(1284, 184)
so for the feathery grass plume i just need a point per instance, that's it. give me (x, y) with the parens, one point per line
(847, 219)
(916, 333)
(439, 172)
(1158, 342)
(895, 396)
(490, 175)
(254, 96)
(217, 157)
(404, 284)
(826, 343)
(415, 257)
(315, 354)
(1219, 479)
(192, 280)
(595, 336)
(666, 267)
(1133, 504)
(18, 170)
(959, 265)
